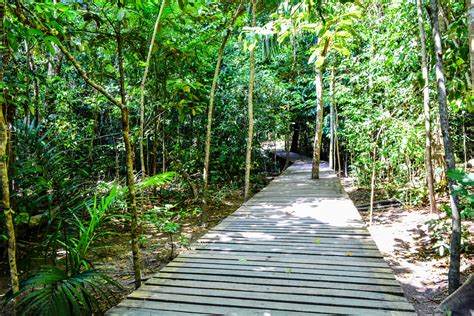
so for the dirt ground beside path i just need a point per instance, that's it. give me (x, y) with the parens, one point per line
(401, 236)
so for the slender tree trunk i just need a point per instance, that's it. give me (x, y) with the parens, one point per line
(470, 8)
(454, 249)
(464, 141)
(129, 163)
(287, 141)
(426, 107)
(5, 192)
(142, 88)
(336, 137)
(32, 68)
(374, 172)
(319, 124)
(248, 161)
(156, 129)
(331, 123)
(210, 111)
(163, 149)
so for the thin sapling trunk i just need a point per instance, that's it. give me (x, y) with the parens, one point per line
(248, 161)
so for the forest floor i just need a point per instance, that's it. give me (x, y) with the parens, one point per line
(402, 235)
(112, 255)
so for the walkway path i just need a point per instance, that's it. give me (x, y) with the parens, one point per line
(298, 247)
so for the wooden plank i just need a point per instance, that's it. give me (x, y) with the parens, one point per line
(394, 290)
(275, 297)
(346, 261)
(303, 232)
(293, 228)
(257, 304)
(285, 224)
(244, 266)
(290, 250)
(353, 249)
(365, 295)
(353, 240)
(255, 234)
(139, 311)
(301, 268)
(156, 307)
(296, 242)
(320, 262)
(386, 285)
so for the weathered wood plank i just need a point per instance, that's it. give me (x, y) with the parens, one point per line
(290, 250)
(350, 251)
(303, 258)
(164, 306)
(295, 268)
(289, 237)
(293, 232)
(298, 243)
(257, 304)
(276, 297)
(243, 279)
(140, 311)
(385, 284)
(321, 262)
(365, 295)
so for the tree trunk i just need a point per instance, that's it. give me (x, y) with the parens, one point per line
(287, 141)
(210, 111)
(156, 129)
(248, 161)
(331, 123)
(454, 249)
(129, 163)
(374, 170)
(470, 17)
(336, 137)
(295, 136)
(142, 89)
(318, 133)
(163, 149)
(426, 107)
(32, 68)
(5, 192)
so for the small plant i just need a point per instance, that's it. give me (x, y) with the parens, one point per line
(440, 234)
(168, 220)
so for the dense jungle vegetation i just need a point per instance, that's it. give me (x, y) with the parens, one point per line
(125, 119)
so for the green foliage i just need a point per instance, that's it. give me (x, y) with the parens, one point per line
(52, 291)
(440, 235)
(79, 288)
(464, 189)
(440, 229)
(78, 247)
(66, 140)
(155, 181)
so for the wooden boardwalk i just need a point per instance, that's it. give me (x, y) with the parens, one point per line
(298, 247)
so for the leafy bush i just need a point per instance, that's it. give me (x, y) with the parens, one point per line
(440, 229)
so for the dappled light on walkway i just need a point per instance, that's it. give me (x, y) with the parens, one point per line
(297, 247)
